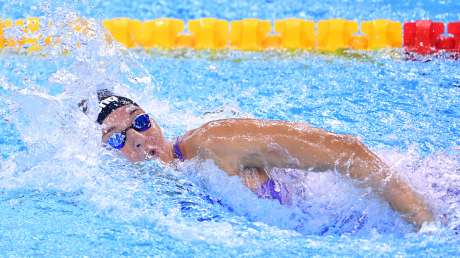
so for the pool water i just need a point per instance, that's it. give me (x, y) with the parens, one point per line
(62, 193)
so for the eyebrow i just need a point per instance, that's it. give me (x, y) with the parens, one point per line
(113, 127)
(108, 131)
(133, 111)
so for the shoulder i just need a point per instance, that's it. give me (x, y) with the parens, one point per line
(246, 125)
(224, 125)
(231, 121)
(216, 129)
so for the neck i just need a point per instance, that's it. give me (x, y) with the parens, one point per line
(170, 153)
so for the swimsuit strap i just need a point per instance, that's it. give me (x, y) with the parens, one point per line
(177, 151)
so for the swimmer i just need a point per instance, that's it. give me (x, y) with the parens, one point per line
(248, 148)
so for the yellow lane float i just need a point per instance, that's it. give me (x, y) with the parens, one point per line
(296, 33)
(211, 33)
(382, 34)
(249, 34)
(335, 34)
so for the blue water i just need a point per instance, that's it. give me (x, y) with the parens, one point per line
(64, 194)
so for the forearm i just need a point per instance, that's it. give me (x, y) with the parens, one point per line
(253, 178)
(405, 200)
(367, 167)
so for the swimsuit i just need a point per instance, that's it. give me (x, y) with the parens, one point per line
(274, 190)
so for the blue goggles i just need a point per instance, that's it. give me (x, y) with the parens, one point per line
(140, 123)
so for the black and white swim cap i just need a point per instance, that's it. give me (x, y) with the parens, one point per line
(108, 102)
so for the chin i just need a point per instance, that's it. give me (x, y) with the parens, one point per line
(136, 158)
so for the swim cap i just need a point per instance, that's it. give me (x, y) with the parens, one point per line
(108, 102)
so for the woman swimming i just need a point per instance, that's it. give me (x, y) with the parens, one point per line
(249, 147)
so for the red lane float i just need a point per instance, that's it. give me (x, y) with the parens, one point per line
(454, 29)
(427, 37)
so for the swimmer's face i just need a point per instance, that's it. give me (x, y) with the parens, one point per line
(148, 144)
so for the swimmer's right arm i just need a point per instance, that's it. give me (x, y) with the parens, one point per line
(320, 150)
(403, 199)
(365, 166)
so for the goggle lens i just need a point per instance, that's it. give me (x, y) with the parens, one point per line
(141, 123)
(117, 140)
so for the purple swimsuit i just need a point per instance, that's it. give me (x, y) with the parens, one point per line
(177, 151)
(274, 190)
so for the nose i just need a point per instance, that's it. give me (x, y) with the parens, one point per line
(138, 139)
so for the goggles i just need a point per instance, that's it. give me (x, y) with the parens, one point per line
(140, 123)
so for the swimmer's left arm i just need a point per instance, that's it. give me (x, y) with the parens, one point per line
(253, 178)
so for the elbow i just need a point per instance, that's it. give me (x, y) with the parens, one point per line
(359, 162)
(357, 150)
(352, 142)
